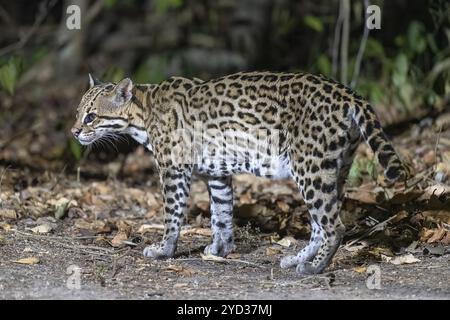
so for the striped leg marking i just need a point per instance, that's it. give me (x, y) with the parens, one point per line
(221, 207)
(175, 185)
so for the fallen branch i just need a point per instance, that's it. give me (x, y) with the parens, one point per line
(378, 227)
(42, 14)
(217, 259)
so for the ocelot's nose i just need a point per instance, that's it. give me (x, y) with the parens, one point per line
(76, 131)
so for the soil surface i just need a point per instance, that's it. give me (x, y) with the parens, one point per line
(79, 233)
(253, 275)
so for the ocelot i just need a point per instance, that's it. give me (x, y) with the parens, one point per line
(276, 125)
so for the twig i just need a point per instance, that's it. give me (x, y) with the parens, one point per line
(94, 11)
(436, 149)
(418, 178)
(3, 173)
(336, 41)
(378, 227)
(19, 134)
(345, 38)
(362, 47)
(222, 260)
(325, 277)
(59, 177)
(60, 241)
(42, 14)
(115, 260)
(5, 16)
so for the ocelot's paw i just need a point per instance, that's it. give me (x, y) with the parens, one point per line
(157, 251)
(307, 268)
(289, 262)
(292, 261)
(219, 249)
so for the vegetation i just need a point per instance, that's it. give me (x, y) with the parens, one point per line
(105, 203)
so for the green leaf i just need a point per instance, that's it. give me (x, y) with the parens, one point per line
(114, 74)
(376, 93)
(371, 168)
(152, 71)
(76, 149)
(61, 210)
(374, 48)
(110, 3)
(416, 37)
(406, 95)
(324, 64)
(354, 176)
(313, 22)
(162, 6)
(9, 74)
(401, 64)
(399, 75)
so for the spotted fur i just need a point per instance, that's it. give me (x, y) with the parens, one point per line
(276, 125)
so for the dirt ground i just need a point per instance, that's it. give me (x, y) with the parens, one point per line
(126, 275)
(68, 234)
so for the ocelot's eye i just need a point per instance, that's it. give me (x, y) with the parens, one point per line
(89, 118)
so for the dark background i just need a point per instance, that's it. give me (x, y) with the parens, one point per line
(405, 68)
(64, 205)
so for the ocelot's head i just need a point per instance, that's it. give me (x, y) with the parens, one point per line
(103, 110)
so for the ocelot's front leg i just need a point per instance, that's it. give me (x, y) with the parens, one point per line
(221, 207)
(175, 184)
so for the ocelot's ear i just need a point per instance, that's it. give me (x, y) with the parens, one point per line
(93, 81)
(123, 91)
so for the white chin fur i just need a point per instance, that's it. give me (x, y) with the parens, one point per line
(85, 142)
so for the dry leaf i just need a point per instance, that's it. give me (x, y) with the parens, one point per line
(404, 259)
(97, 226)
(82, 224)
(30, 260)
(283, 206)
(203, 205)
(42, 229)
(429, 158)
(150, 227)
(287, 242)
(5, 226)
(378, 252)
(124, 227)
(436, 190)
(360, 269)
(210, 257)
(271, 251)
(246, 198)
(404, 197)
(8, 213)
(196, 231)
(118, 239)
(364, 196)
(188, 272)
(437, 235)
(150, 214)
(180, 285)
(437, 216)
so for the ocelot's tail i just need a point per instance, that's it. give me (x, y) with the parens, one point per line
(373, 134)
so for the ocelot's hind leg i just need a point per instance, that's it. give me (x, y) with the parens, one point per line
(319, 186)
(308, 252)
(324, 204)
(221, 207)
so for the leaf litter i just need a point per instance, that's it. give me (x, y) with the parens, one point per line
(109, 213)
